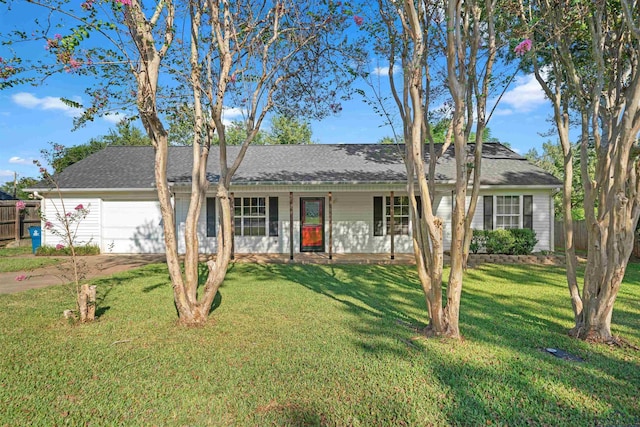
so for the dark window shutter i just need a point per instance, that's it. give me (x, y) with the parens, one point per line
(488, 212)
(377, 216)
(211, 216)
(419, 203)
(527, 213)
(273, 216)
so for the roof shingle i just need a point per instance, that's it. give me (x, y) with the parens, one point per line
(132, 167)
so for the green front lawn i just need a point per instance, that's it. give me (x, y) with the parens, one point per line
(21, 259)
(21, 250)
(316, 345)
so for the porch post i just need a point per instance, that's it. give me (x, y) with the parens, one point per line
(330, 225)
(291, 225)
(233, 227)
(392, 228)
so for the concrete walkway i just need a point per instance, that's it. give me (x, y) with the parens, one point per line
(96, 266)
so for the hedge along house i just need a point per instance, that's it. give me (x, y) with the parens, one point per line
(290, 199)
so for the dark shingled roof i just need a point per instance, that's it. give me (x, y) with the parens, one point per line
(132, 167)
(6, 196)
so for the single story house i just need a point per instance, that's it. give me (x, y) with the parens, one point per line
(294, 198)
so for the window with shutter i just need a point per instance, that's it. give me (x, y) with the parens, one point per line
(273, 216)
(378, 225)
(488, 212)
(527, 212)
(211, 217)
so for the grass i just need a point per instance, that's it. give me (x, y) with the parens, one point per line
(316, 345)
(19, 259)
(21, 250)
(66, 251)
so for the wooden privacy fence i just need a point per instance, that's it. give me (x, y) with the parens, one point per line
(580, 237)
(14, 224)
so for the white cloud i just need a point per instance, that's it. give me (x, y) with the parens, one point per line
(503, 112)
(6, 172)
(114, 118)
(384, 71)
(20, 161)
(231, 114)
(527, 95)
(29, 100)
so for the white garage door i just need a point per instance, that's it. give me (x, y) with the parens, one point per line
(132, 227)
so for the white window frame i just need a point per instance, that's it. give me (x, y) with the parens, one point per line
(520, 213)
(251, 215)
(386, 218)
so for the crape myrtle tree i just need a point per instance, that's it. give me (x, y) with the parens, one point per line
(258, 56)
(586, 58)
(440, 44)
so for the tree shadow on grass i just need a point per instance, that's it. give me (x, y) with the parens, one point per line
(105, 286)
(382, 299)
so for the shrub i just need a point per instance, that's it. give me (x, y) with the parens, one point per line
(478, 241)
(62, 251)
(500, 242)
(525, 241)
(516, 241)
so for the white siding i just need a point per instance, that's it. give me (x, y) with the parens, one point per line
(352, 222)
(353, 226)
(86, 231)
(132, 226)
(542, 215)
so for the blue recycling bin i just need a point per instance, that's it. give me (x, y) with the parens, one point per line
(36, 237)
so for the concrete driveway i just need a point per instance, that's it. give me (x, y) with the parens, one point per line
(96, 266)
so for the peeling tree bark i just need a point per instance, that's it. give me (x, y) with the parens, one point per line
(606, 95)
(229, 41)
(468, 33)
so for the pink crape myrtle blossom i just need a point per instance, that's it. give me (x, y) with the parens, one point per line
(74, 64)
(48, 225)
(359, 20)
(523, 47)
(124, 2)
(21, 277)
(20, 205)
(79, 207)
(59, 246)
(68, 214)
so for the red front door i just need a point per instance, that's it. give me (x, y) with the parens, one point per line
(312, 225)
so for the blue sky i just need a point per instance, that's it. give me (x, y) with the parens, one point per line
(33, 116)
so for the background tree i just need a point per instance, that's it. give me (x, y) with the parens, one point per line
(289, 130)
(586, 59)
(125, 134)
(10, 187)
(552, 160)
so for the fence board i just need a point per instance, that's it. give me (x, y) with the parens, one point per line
(580, 237)
(30, 216)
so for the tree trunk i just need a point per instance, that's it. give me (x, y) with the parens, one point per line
(87, 303)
